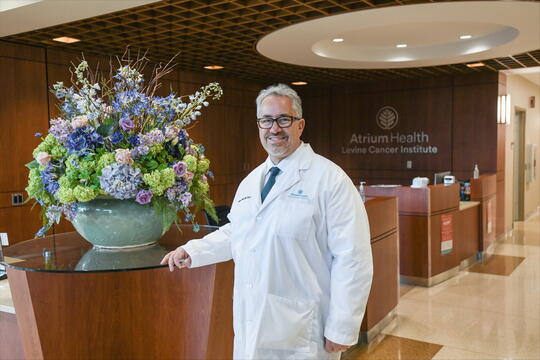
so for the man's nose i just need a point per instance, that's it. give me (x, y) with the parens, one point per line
(275, 127)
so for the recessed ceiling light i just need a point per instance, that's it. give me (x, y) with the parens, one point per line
(213, 67)
(465, 37)
(338, 40)
(66, 39)
(401, 45)
(299, 83)
(476, 64)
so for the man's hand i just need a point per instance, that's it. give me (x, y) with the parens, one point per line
(178, 257)
(331, 347)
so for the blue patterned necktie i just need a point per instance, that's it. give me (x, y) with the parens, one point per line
(271, 181)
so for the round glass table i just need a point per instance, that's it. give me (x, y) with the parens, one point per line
(73, 301)
(70, 252)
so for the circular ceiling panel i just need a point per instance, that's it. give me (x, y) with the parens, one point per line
(409, 36)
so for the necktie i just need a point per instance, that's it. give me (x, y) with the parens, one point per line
(271, 181)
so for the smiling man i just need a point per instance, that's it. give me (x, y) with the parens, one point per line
(299, 237)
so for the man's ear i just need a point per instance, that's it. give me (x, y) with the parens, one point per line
(302, 124)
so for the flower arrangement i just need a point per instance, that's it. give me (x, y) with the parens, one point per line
(117, 139)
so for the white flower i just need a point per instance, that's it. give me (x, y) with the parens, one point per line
(123, 156)
(43, 158)
(79, 121)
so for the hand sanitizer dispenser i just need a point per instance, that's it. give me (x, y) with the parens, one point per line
(476, 172)
(362, 194)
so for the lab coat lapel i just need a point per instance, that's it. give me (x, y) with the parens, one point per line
(281, 186)
(303, 162)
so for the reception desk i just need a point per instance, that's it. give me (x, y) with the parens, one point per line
(432, 240)
(484, 191)
(384, 295)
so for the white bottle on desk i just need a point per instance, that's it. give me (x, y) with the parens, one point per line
(362, 194)
(476, 172)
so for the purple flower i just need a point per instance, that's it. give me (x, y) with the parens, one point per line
(154, 137)
(126, 124)
(60, 129)
(139, 151)
(180, 168)
(186, 198)
(144, 196)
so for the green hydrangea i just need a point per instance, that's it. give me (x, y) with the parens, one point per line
(71, 167)
(66, 182)
(84, 193)
(104, 161)
(203, 165)
(156, 149)
(159, 180)
(48, 145)
(35, 188)
(203, 186)
(65, 195)
(191, 163)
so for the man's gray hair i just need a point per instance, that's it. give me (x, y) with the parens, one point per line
(280, 90)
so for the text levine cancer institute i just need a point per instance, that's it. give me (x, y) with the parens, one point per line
(415, 142)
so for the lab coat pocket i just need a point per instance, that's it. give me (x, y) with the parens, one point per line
(296, 217)
(286, 324)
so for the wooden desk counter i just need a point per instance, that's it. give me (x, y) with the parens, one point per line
(426, 230)
(484, 190)
(384, 295)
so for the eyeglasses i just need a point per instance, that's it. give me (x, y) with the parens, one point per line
(284, 121)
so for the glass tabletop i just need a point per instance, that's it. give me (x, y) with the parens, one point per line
(70, 252)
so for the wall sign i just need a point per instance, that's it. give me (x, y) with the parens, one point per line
(389, 142)
(447, 233)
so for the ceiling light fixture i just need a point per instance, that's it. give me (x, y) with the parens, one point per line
(401, 45)
(338, 40)
(66, 39)
(299, 83)
(477, 64)
(465, 37)
(213, 67)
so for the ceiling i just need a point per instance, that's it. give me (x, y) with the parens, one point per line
(226, 33)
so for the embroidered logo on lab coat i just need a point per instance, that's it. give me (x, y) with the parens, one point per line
(298, 194)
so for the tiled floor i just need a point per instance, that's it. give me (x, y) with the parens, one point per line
(492, 312)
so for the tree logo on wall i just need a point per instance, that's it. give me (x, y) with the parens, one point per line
(387, 118)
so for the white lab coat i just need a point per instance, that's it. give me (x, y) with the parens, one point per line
(303, 265)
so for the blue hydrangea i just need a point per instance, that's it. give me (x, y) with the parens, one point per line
(121, 180)
(117, 137)
(134, 140)
(83, 141)
(49, 179)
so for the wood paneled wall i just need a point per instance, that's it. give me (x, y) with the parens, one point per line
(227, 127)
(458, 114)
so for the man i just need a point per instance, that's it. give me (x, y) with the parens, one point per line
(299, 237)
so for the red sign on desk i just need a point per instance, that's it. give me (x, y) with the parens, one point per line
(447, 233)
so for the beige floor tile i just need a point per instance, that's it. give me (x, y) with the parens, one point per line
(472, 330)
(450, 353)
(517, 297)
(387, 347)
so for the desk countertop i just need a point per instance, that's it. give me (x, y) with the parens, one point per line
(6, 301)
(464, 205)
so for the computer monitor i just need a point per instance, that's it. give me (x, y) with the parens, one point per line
(439, 177)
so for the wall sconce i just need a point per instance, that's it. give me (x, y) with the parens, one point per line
(503, 109)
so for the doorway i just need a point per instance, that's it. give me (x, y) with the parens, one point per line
(519, 166)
